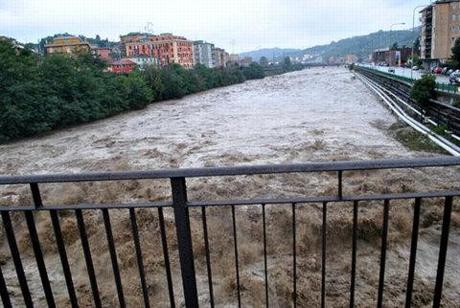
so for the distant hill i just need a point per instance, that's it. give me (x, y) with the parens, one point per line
(361, 46)
(271, 53)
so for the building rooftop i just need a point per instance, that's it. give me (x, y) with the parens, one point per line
(124, 61)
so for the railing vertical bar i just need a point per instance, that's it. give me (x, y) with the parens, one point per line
(339, 186)
(386, 207)
(36, 195)
(140, 261)
(208, 257)
(294, 254)
(39, 258)
(16, 259)
(4, 291)
(265, 255)
(235, 241)
(63, 256)
(413, 253)
(323, 256)
(88, 258)
(164, 244)
(113, 257)
(184, 241)
(353, 254)
(442, 252)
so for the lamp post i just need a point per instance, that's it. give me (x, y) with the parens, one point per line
(413, 30)
(391, 31)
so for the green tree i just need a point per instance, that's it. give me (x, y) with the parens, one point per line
(254, 71)
(263, 61)
(287, 65)
(424, 90)
(455, 60)
(395, 46)
(416, 44)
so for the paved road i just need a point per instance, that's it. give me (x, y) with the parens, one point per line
(406, 72)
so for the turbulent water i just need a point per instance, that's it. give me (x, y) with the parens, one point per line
(326, 112)
(312, 115)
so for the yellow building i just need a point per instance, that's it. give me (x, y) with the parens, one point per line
(440, 30)
(67, 45)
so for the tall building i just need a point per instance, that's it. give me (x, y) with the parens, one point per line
(67, 45)
(440, 30)
(220, 57)
(164, 48)
(202, 53)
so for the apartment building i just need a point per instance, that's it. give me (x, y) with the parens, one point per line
(202, 53)
(67, 45)
(165, 48)
(220, 57)
(440, 30)
(392, 57)
(103, 53)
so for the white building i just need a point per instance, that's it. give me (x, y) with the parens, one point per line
(202, 53)
(143, 61)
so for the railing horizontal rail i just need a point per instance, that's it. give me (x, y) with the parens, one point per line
(234, 171)
(329, 199)
(145, 205)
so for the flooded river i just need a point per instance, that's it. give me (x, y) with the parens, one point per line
(316, 114)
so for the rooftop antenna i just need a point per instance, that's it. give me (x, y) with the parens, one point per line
(149, 28)
(232, 43)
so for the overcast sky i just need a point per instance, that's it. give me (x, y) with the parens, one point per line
(237, 25)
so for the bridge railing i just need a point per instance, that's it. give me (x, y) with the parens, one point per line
(181, 206)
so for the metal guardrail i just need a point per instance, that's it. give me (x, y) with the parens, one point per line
(443, 87)
(181, 205)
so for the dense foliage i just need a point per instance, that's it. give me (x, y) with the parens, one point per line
(424, 89)
(455, 60)
(43, 93)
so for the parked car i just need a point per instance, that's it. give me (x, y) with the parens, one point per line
(415, 68)
(437, 70)
(450, 72)
(391, 70)
(454, 78)
(445, 70)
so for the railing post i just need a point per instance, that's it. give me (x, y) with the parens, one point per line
(184, 241)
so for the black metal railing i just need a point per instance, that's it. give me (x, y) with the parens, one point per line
(181, 205)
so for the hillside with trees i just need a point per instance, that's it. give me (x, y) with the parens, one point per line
(361, 46)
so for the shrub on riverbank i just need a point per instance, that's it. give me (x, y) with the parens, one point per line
(424, 89)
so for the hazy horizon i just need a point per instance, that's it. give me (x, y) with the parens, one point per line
(238, 26)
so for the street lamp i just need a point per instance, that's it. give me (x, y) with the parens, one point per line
(391, 31)
(413, 30)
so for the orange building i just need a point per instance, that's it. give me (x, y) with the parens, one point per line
(104, 53)
(171, 49)
(164, 48)
(123, 66)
